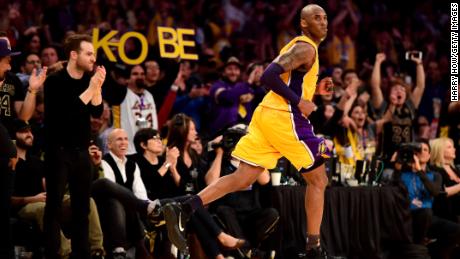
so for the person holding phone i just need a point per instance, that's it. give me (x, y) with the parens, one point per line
(401, 103)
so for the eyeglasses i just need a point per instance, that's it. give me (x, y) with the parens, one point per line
(156, 138)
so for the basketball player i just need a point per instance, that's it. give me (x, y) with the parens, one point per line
(280, 127)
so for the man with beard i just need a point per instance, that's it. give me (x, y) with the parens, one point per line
(71, 97)
(13, 104)
(29, 194)
(137, 110)
(230, 98)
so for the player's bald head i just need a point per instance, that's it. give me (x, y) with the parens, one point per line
(308, 10)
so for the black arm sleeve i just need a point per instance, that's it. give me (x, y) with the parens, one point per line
(271, 79)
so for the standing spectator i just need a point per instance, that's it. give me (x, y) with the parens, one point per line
(13, 102)
(401, 102)
(231, 98)
(29, 193)
(71, 97)
(255, 70)
(137, 109)
(7, 155)
(192, 98)
(342, 50)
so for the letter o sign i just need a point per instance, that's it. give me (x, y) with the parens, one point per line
(144, 48)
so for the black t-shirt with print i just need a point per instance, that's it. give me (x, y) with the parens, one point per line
(399, 130)
(10, 92)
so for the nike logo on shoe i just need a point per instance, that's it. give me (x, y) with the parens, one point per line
(181, 228)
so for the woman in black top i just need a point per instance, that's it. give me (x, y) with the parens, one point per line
(161, 179)
(182, 134)
(442, 158)
(159, 173)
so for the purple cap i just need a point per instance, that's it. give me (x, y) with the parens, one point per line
(5, 49)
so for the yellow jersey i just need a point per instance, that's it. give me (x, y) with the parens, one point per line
(302, 83)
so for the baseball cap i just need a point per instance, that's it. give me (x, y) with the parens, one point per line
(20, 125)
(5, 49)
(233, 61)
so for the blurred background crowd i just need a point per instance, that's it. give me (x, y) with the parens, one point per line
(389, 63)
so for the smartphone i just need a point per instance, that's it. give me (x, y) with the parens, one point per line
(414, 53)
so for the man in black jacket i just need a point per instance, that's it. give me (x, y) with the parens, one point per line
(71, 96)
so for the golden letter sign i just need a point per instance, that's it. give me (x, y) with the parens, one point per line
(166, 37)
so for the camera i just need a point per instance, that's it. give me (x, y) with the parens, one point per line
(406, 153)
(230, 138)
(413, 53)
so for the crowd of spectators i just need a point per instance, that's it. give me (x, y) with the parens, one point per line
(389, 64)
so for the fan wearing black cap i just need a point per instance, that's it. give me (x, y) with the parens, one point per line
(13, 103)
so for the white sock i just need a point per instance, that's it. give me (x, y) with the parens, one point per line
(119, 250)
(152, 206)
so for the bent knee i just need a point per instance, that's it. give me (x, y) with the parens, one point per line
(316, 178)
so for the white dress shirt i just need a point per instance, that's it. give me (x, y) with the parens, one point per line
(138, 186)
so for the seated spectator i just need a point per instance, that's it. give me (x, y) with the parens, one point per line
(181, 134)
(192, 170)
(442, 158)
(29, 194)
(49, 56)
(101, 127)
(159, 173)
(423, 185)
(454, 126)
(240, 211)
(31, 62)
(120, 210)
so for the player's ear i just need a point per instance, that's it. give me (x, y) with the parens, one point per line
(303, 23)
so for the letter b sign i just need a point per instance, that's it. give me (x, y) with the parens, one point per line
(175, 39)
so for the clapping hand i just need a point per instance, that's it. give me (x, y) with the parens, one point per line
(171, 155)
(98, 79)
(36, 79)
